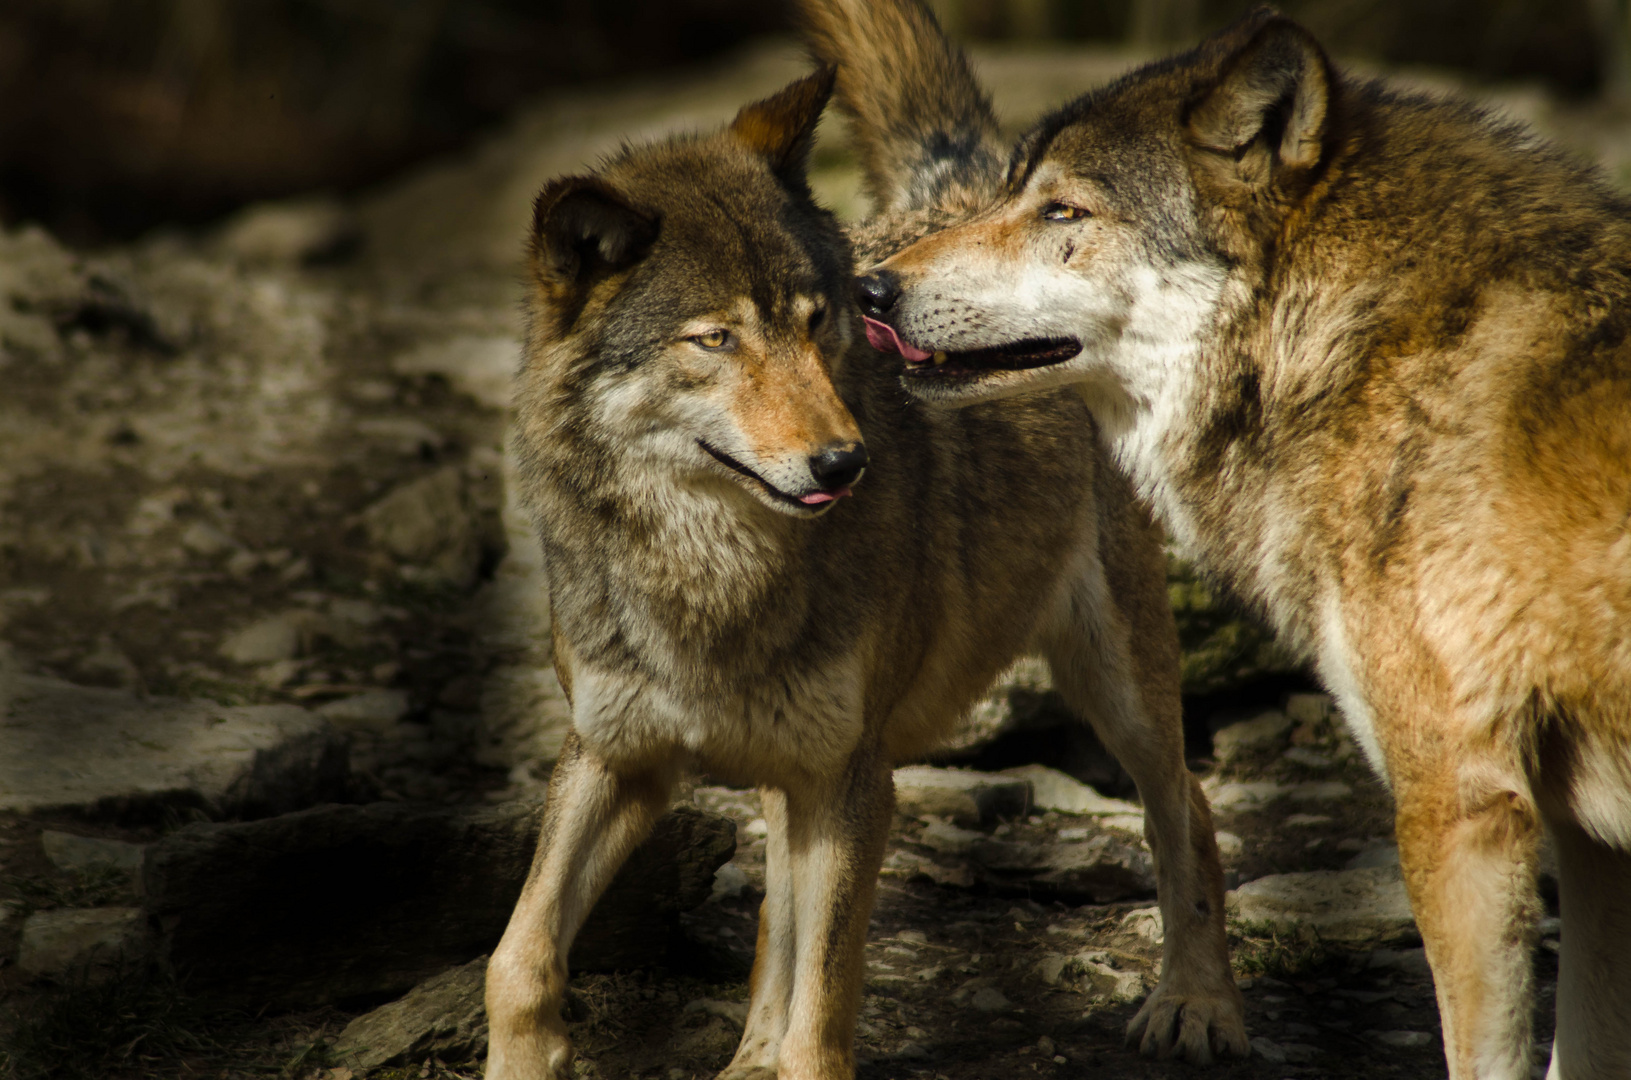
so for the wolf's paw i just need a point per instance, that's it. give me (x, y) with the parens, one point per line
(545, 1056)
(1191, 1026)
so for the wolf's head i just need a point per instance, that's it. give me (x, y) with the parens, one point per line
(1123, 217)
(689, 303)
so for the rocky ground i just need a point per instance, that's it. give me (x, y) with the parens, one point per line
(257, 559)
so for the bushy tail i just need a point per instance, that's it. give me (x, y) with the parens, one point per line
(924, 126)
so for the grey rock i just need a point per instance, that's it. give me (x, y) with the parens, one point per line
(1101, 870)
(272, 639)
(107, 753)
(483, 367)
(1402, 1040)
(1267, 731)
(1383, 856)
(444, 1016)
(524, 715)
(287, 231)
(89, 942)
(1310, 708)
(1090, 973)
(202, 538)
(961, 795)
(1406, 961)
(429, 524)
(734, 1012)
(990, 999)
(372, 710)
(69, 852)
(342, 902)
(949, 839)
(1355, 908)
(1269, 1050)
(1256, 794)
(1054, 790)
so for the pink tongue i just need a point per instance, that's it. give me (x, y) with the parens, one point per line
(884, 339)
(820, 497)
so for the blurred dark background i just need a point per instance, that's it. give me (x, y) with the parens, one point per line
(117, 116)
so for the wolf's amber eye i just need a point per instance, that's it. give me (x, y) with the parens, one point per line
(713, 339)
(1063, 212)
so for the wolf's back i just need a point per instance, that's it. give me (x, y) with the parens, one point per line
(927, 135)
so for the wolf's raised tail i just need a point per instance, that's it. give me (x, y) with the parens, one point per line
(924, 126)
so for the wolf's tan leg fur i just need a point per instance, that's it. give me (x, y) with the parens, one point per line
(835, 841)
(1115, 660)
(1594, 980)
(1469, 842)
(593, 819)
(771, 987)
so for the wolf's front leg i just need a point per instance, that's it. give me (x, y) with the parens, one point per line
(773, 957)
(836, 835)
(594, 818)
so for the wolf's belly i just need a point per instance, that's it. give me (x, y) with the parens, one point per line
(769, 728)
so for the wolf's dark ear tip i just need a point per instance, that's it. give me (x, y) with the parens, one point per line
(781, 128)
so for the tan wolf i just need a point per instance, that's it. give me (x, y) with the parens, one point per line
(690, 424)
(1366, 354)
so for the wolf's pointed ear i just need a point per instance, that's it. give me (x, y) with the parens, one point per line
(581, 227)
(781, 128)
(1274, 96)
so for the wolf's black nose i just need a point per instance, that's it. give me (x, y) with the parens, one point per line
(878, 291)
(838, 465)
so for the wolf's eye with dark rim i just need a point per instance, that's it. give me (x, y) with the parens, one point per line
(1064, 212)
(817, 317)
(713, 339)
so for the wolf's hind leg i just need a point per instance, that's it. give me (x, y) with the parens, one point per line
(1469, 843)
(1594, 977)
(594, 818)
(771, 987)
(1114, 656)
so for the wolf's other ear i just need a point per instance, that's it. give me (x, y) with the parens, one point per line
(781, 128)
(1277, 88)
(581, 227)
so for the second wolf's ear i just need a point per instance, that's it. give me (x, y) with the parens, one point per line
(1270, 110)
(781, 128)
(581, 228)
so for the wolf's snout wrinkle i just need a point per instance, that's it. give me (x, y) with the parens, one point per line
(877, 292)
(838, 465)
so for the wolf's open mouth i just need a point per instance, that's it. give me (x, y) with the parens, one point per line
(1016, 356)
(812, 501)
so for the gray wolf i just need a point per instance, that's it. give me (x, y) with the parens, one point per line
(1366, 354)
(695, 407)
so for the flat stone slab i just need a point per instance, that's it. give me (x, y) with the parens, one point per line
(69, 852)
(444, 1016)
(1054, 790)
(344, 902)
(107, 753)
(961, 795)
(1353, 908)
(76, 941)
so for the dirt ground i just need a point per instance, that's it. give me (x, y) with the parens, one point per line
(192, 431)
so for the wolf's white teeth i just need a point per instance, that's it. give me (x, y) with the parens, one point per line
(939, 358)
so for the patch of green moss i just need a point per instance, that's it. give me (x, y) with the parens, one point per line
(1221, 646)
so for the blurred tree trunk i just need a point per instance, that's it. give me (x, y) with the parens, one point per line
(1613, 19)
(1165, 22)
